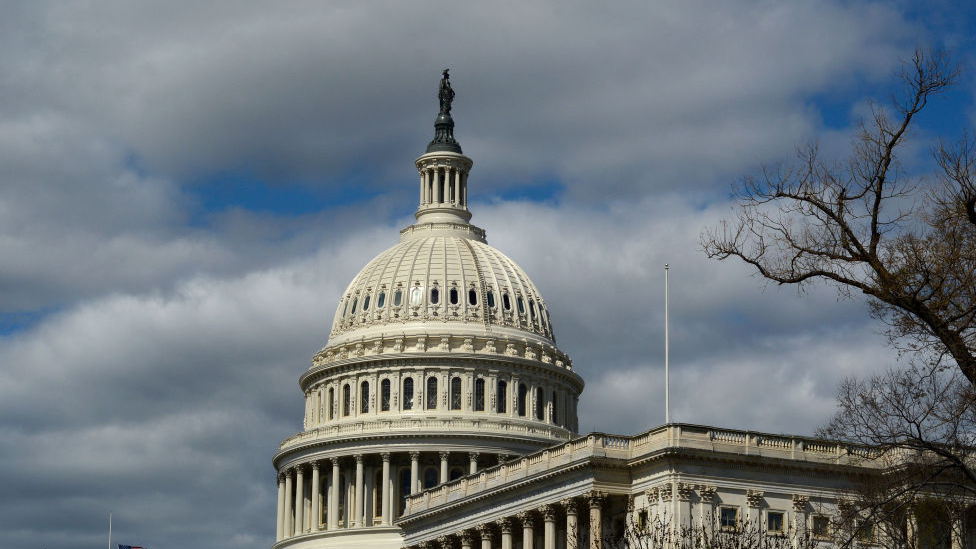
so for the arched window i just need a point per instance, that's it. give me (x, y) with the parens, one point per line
(555, 409)
(472, 297)
(506, 302)
(532, 309)
(453, 296)
(416, 296)
(501, 397)
(345, 308)
(354, 301)
(364, 398)
(491, 299)
(521, 305)
(331, 402)
(540, 403)
(366, 303)
(346, 400)
(408, 393)
(397, 298)
(385, 395)
(431, 477)
(479, 395)
(456, 393)
(435, 295)
(431, 393)
(381, 300)
(522, 392)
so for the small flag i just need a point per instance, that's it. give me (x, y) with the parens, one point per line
(130, 547)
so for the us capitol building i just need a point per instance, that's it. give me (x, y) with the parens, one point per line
(441, 414)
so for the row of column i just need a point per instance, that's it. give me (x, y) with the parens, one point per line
(504, 532)
(300, 513)
(440, 185)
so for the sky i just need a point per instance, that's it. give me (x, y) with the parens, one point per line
(186, 188)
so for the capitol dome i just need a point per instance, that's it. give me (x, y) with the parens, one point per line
(441, 361)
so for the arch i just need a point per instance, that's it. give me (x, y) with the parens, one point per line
(364, 397)
(501, 397)
(453, 296)
(385, 395)
(346, 399)
(540, 403)
(455, 393)
(479, 395)
(523, 391)
(431, 393)
(472, 297)
(331, 402)
(555, 409)
(408, 393)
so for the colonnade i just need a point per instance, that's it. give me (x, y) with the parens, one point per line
(362, 490)
(443, 185)
(571, 523)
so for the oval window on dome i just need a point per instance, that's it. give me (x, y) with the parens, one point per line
(506, 302)
(521, 305)
(345, 308)
(366, 303)
(416, 296)
(472, 297)
(491, 299)
(532, 309)
(381, 300)
(453, 296)
(397, 298)
(354, 301)
(435, 296)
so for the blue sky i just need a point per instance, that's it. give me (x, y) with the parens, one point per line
(186, 189)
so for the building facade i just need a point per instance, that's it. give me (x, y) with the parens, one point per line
(442, 414)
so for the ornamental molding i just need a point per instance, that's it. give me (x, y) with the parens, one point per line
(800, 503)
(754, 498)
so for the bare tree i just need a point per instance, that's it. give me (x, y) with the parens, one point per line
(659, 533)
(866, 227)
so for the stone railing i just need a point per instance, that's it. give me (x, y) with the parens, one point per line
(426, 425)
(677, 436)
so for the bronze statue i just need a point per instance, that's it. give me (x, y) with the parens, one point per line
(446, 94)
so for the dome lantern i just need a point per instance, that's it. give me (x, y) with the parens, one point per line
(443, 169)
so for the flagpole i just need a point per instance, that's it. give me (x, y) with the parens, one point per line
(667, 350)
(109, 530)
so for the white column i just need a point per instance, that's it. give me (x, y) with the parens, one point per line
(444, 474)
(473, 463)
(596, 500)
(457, 187)
(299, 500)
(506, 524)
(467, 540)
(316, 518)
(528, 530)
(289, 501)
(437, 186)
(414, 472)
(280, 526)
(549, 526)
(334, 496)
(487, 535)
(423, 189)
(385, 489)
(359, 490)
(572, 523)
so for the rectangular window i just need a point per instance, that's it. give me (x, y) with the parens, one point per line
(729, 518)
(774, 522)
(821, 526)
